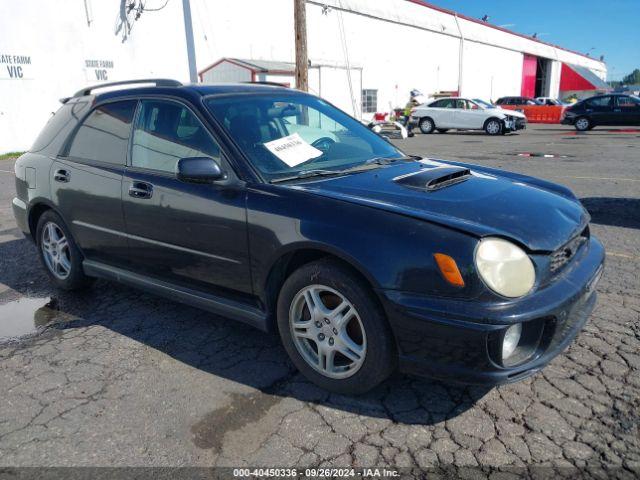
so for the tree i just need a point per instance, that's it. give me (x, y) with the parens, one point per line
(633, 78)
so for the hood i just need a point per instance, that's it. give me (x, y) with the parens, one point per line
(513, 113)
(473, 201)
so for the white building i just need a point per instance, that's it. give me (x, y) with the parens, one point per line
(376, 50)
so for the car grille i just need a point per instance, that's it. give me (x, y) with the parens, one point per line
(564, 254)
(521, 122)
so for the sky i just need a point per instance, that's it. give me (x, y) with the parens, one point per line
(610, 28)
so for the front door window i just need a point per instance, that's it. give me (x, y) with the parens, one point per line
(167, 131)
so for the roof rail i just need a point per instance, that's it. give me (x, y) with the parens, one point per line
(264, 82)
(158, 82)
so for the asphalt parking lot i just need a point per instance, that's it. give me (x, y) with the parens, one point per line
(115, 377)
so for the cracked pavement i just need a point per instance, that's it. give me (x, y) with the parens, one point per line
(115, 377)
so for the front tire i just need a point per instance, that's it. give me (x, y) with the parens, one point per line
(59, 253)
(333, 329)
(583, 124)
(493, 127)
(426, 125)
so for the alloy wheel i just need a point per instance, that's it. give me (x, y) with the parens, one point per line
(493, 127)
(426, 125)
(327, 331)
(582, 124)
(55, 250)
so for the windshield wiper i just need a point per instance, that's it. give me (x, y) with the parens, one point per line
(308, 174)
(388, 160)
(371, 164)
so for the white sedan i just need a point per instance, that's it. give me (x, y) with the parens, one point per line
(466, 114)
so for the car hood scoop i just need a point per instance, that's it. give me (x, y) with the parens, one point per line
(434, 178)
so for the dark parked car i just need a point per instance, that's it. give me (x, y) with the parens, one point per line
(270, 206)
(603, 110)
(517, 101)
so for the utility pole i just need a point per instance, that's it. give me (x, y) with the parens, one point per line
(302, 60)
(191, 51)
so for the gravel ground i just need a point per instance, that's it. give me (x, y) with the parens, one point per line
(115, 377)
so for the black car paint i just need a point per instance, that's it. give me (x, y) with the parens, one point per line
(608, 115)
(226, 246)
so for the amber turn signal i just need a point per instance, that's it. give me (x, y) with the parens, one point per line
(449, 269)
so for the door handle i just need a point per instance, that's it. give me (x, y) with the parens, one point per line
(141, 190)
(61, 176)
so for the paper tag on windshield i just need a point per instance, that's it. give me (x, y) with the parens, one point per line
(292, 150)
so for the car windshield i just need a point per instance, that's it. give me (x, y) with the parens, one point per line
(285, 135)
(483, 104)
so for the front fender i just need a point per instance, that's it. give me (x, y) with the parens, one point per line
(393, 251)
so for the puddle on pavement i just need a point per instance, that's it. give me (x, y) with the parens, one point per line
(25, 316)
(242, 410)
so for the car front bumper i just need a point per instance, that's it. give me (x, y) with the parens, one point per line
(515, 124)
(567, 120)
(450, 338)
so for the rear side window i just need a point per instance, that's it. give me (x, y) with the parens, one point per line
(627, 102)
(444, 103)
(104, 135)
(167, 131)
(59, 125)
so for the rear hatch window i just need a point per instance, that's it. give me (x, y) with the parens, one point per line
(59, 126)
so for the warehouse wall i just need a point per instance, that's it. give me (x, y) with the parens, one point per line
(395, 59)
(490, 72)
(65, 53)
(51, 49)
(424, 41)
(332, 84)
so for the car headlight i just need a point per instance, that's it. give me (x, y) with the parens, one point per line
(505, 267)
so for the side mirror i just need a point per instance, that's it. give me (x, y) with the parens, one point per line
(199, 170)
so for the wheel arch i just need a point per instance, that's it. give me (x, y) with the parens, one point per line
(36, 209)
(297, 255)
(484, 125)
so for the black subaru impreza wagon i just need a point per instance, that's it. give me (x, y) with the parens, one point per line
(272, 207)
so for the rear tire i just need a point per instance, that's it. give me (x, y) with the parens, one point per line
(59, 253)
(583, 124)
(324, 309)
(426, 125)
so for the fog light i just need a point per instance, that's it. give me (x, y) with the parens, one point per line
(511, 340)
